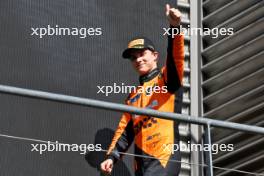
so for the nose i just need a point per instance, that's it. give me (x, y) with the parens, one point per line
(138, 59)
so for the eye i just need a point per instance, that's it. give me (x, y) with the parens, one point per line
(132, 58)
(143, 53)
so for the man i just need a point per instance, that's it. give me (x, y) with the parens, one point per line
(152, 135)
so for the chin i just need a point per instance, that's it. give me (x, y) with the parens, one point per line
(143, 71)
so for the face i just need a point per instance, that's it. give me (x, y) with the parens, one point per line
(144, 61)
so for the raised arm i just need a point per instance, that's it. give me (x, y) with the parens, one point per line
(174, 68)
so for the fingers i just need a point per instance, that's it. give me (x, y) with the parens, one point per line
(173, 15)
(107, 166)
(171, 11)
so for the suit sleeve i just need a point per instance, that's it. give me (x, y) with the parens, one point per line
(123, 137)
(174, 69)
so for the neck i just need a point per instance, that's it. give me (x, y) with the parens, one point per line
(149, 76)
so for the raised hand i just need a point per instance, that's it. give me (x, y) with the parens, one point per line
(173, 15)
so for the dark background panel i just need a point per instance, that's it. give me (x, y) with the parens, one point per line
(67, 65)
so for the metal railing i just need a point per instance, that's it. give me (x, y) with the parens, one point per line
(207, 123)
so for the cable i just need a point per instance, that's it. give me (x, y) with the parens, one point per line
(203, 165)
(135, 155)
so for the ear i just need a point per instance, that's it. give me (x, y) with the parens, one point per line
(156, 54)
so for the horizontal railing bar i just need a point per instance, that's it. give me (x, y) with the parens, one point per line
(125, 108)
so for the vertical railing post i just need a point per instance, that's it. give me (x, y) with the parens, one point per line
(208, 154)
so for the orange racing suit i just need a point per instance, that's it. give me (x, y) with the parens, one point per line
(151, 134)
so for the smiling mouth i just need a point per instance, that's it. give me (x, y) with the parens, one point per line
(141, 65)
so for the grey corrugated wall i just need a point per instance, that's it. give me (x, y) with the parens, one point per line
(233, 80)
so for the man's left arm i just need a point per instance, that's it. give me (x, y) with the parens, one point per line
(174, 69)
